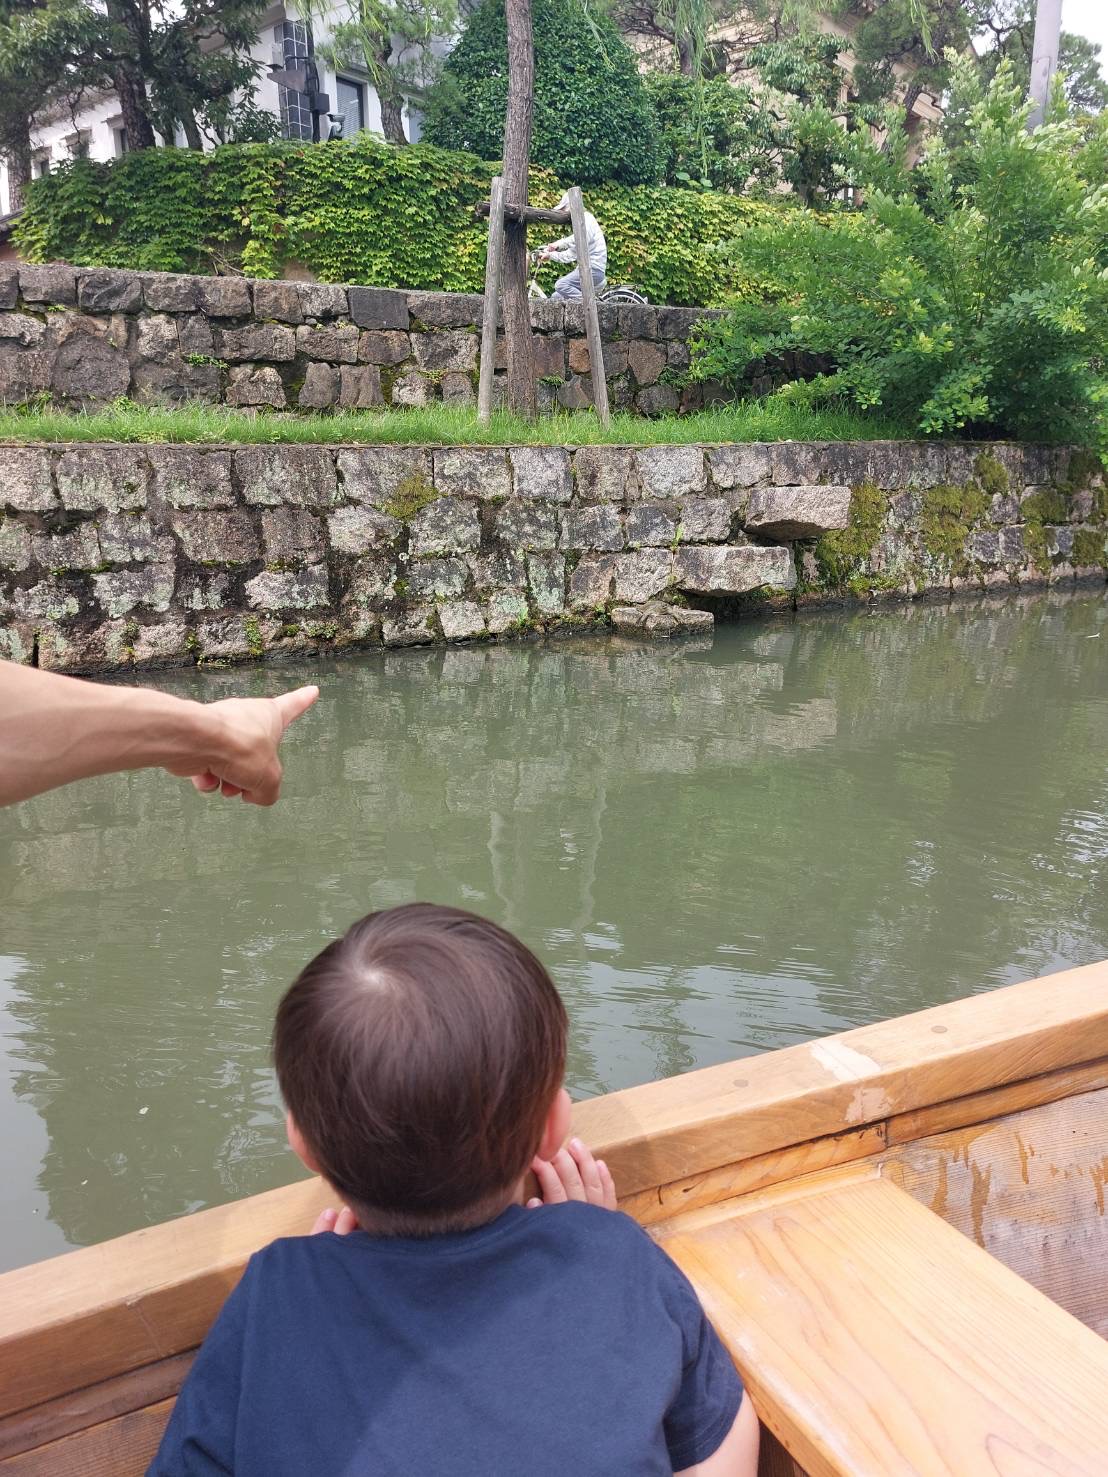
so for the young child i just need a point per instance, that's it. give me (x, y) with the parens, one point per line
(458, 1332)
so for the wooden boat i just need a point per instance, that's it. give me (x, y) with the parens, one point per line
(899, 1231)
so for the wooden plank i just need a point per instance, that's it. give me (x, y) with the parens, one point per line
(123, 1447)
(994, 1102)
(1030, 1189)
(877, 1342)
(492, 302)
(652, 1206)
(89, 1407)
(665, 1131)
(588, 295)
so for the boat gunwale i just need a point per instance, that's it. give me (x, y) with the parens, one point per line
(101, 1311)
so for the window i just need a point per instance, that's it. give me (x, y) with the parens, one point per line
(295, 40)
(350, 102)
(78, 144)
(119, 140)
(40, 164)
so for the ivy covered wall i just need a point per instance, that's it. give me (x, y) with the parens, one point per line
(360, 211)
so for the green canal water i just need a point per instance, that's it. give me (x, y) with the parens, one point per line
(799, 826)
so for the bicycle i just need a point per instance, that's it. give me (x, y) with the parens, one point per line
(611, 294)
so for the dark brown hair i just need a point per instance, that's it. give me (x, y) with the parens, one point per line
(419, 1055)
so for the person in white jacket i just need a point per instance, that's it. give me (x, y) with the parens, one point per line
(567, 289)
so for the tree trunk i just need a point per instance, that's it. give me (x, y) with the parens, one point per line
(18, 159)
(389, 95)
(133, 105)
(191, 130)
(517, 155)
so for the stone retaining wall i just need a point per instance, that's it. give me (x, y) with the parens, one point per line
(87, 335)
(112, 556)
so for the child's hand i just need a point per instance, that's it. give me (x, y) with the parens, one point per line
(573, 1174)
(342, 1222)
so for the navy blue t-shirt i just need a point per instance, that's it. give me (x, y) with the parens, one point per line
(557, 1342)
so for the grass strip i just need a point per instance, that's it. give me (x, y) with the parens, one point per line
(442, 425)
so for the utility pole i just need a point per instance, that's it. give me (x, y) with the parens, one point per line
(1044, 57)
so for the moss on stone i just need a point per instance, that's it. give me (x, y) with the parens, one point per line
(413, 494)
(1085, 466)
(991, 474)
(254, 642)
(840, 554)
(1036, 545)
(948, 516)
(862, 585)
(1089, 547)
(1052, 505)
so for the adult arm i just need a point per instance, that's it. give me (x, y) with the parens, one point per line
(55, 729)
(564, 250)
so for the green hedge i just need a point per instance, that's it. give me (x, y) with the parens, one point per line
(360, 210)
(593, 122)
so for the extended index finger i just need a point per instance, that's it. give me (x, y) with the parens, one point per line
(290, 705)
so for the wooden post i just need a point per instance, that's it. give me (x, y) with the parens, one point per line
(517, 155)
(492, 301)
(588, 295)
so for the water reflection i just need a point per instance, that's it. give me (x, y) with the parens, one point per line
(801, 826)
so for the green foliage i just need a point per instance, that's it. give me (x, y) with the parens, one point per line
(359, 211)
(592, 122)
(158, 60)
(985, 306)
(713, 135)
(825, 145)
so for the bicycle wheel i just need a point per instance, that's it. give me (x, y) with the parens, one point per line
(622, 297)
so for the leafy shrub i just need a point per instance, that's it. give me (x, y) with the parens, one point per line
(713, 134)
(823, 144)
(593, 121)
(359, 210)
(982, 305)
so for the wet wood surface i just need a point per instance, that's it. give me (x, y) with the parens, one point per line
(1030, 1189)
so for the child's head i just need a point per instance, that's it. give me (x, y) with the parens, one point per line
(421, 1059)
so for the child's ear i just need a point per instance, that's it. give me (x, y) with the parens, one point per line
(299, 1147)
(556, 1128)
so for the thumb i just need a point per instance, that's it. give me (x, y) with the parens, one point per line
(290, 705)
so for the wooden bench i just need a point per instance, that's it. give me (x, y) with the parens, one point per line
(878, 1341)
